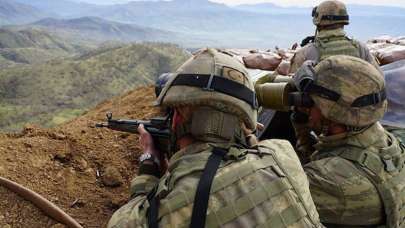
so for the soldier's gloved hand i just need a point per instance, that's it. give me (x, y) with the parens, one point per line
(305, 141)
(148, 146)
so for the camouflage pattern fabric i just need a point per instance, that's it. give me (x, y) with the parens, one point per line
(330, 8)
(350, 190)
(213, 62)
(397, 132)
(311, 52)
(345, 80)
(253, 188)
(329, 44)
(351, 78)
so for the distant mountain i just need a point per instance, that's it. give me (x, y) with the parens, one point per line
(375, 11)
(203, 23)
(10, 38)
(60, 89)
(12, 12)
(198, 22)
(355, 10)
(270, 8)
(62, 8)
(30, 46)
(109, 2)
(93, 28)
(25, 46)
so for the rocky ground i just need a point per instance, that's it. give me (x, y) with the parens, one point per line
(84, 170)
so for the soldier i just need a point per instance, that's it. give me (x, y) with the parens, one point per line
(357, 172)
(330, 17)
(213, 178)
(330, 39)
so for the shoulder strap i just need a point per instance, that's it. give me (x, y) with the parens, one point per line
(202, 195)
(153, 211)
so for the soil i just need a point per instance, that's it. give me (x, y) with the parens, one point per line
(84, 170)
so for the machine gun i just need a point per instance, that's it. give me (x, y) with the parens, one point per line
(158, 127)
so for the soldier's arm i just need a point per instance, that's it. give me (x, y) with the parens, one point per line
(297, 60)
(342, 194)
(366, 55)
(309, 52)
(133, 214)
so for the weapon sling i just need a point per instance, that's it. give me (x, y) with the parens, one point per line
(202, 195)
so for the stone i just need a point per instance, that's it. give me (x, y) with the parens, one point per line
(112, 177)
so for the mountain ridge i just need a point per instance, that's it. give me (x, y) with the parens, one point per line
(52, 92)
(203, 23)
(98, 29)
(17, 13)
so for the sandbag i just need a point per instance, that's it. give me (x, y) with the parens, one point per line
(391, 54)
(263, 61)
(395, 84)
(284, 67)
(400, 41)
(382, 39)
(286, 54)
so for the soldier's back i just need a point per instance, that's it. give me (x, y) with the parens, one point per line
(253, 188)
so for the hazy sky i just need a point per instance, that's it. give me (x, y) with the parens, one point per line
(278, 2)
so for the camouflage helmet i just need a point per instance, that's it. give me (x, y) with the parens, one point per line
(349, 91)
(330, 13)
(216, 79)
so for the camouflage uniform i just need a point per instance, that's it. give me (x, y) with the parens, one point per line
(330, 40)
(327, 42)
(339, 43)
(249, 190)
(356, 178)
(343, 192)
(264, 186)
(398, 132)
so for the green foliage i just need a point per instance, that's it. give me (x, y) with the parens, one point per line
(65, 115)
(33, 46)
(60, 89)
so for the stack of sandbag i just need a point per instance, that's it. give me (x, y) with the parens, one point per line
(387, 49)
(263, 61)
(278, 60)
(395, 84)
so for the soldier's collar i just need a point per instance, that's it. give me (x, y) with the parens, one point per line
(372, 136)
(191, 149)
(331, 32)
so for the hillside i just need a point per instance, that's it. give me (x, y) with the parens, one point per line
(97, 29)
(12, 12)
(10, 38)
(58, 90)
(72, 165)
(62, 8)
(33, 46)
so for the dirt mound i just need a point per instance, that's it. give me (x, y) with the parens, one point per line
(71, 165)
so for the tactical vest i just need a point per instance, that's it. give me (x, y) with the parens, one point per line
(397, 132)
(385, 169)
(218, 217)
(336, 45)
